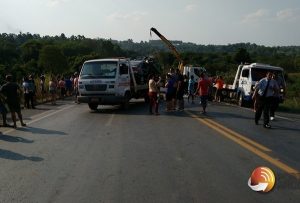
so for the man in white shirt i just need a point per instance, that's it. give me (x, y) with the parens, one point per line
(266, 88)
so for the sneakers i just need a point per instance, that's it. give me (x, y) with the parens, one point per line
(267, 126)
(272, 118)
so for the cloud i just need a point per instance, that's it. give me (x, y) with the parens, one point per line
(190, 7)
(257, 16)
(134, 16)
(289, 14)
(53, 3)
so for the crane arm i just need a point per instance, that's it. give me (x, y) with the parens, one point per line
(170, 45)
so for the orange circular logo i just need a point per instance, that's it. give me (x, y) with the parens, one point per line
(262, 179)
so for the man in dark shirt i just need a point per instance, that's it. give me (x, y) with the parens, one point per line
(10, 90)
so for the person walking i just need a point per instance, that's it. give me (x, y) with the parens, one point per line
(11, 91)
(203, 90)
(265, 92)
(153, 91)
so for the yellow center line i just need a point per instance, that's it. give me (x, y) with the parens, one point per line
(247, 144)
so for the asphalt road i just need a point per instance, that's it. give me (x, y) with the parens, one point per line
(71, 154)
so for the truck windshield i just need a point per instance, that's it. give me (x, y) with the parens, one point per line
(99, 69)
(259, 73)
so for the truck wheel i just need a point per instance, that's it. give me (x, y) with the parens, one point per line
(93, 106)
(125, 104)
(241, 101)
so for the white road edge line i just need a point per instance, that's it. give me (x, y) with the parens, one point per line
(40, 118)
(109, 122)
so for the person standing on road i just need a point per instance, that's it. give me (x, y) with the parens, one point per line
(52, 89)
(42, 87)
(26, 92)
(219, 87)
(3, 110)
(203, 90)
(153, 91)
(265, 88)
(276, 97)
(180, 91)
(171, 91)
(32, 91)
(75, 85)
(191, 89)
(11, 91)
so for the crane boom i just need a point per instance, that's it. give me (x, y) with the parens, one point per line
(171, 46)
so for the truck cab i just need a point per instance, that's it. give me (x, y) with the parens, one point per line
(247, 76)
(193, 70)
(106, 81)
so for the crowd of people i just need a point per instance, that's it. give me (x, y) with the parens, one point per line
(176, 85)
(14, 95)
(266, 95)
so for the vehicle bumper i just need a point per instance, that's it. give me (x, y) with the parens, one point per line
(101, 99)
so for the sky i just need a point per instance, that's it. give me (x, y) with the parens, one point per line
(217, 22)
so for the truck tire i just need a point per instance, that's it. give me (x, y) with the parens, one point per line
(93, 106)
(241, 101)
(125, 104)
(146, 98)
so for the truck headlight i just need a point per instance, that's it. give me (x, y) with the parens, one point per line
(281, 90)
(81, 86)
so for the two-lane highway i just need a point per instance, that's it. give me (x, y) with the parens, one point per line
(70, 154)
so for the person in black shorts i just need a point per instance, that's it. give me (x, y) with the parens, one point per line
(10, 91)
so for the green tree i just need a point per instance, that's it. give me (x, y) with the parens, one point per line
(242, 56)
(52, 60)
(30, 50)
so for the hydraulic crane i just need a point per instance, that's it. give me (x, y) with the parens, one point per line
(170, 46)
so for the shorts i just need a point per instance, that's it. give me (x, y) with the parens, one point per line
(14, 107)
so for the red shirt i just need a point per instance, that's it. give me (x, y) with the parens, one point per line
(203, 86)
(219, 84)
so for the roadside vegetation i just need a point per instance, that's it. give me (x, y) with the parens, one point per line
(31, 54)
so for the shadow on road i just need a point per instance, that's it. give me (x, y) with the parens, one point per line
(10, 138)
(285, 128)
(6, 154)
(35, 130)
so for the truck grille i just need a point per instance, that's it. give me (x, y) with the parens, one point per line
(95, 87)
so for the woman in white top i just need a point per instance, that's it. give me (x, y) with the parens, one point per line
(153, 91)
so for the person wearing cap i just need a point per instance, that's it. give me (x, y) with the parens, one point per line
(11, 91)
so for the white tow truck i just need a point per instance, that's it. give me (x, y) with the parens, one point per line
(195, 71)
(246, 76)
(111, 81)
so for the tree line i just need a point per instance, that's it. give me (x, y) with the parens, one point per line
(25, 53)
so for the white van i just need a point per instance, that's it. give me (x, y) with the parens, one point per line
(109, 81)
